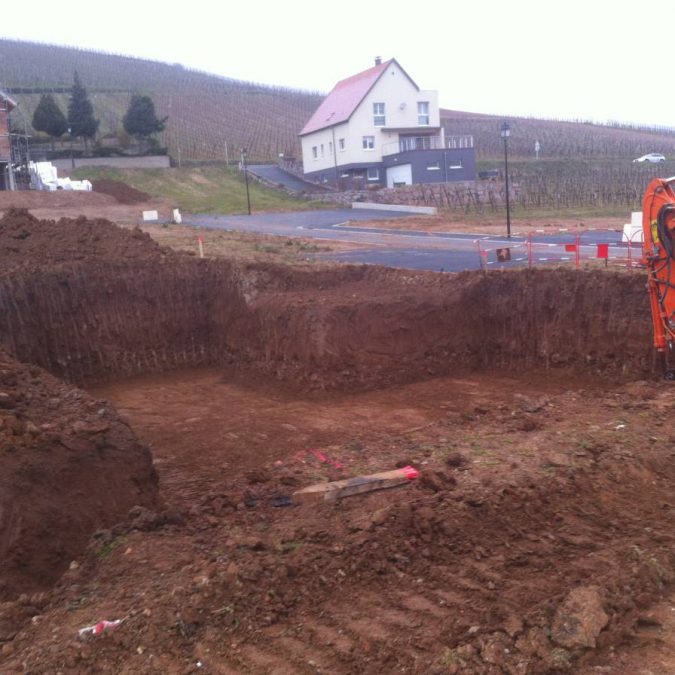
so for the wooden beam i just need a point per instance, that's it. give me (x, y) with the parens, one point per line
(354, 486)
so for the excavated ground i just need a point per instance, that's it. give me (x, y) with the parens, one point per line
(537, 539)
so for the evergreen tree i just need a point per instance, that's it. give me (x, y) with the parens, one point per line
(49, 118)
(140, 119)
(81, 118)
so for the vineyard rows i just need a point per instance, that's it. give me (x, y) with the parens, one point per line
(557, 138)
(542, 185)
(211, 117)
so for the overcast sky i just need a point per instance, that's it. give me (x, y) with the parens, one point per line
(590, 59)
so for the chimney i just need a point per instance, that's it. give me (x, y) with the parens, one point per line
(378, 60)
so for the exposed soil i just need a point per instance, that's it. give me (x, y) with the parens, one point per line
(93, 205)
(27, 243)
(453, 222)
(538, 537)
(69, 466)
(123, 193)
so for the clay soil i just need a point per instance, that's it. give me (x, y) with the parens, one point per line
(486, 224)
(538, 537)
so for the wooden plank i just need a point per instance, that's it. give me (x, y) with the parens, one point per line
(354, 486)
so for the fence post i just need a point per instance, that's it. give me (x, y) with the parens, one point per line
(578, 250)
(481, 257)
(630, 252)
(529, 250)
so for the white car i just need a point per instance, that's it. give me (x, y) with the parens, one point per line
(653, 157)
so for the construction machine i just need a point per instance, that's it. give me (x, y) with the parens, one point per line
(658, 224)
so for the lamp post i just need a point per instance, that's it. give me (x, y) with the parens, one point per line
(243, 162)
(506, 132)
(72, 159)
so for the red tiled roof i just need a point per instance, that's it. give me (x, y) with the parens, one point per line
(345, 97)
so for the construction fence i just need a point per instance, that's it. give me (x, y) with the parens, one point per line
(575, 249)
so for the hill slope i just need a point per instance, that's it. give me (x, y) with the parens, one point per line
(211, 117)
(558, 139)
(206, 112)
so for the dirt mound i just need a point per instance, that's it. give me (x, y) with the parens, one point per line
(122, 192)
(69, 466)
(29, 243)
(44, 199)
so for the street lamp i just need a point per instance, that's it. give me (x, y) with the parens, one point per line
(72, 159)
(506, 132)
(243, 162)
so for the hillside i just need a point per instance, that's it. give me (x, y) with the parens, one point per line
(558, 139)
(206, 112)
(212, 117)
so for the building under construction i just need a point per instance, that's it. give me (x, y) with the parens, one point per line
(14, 151)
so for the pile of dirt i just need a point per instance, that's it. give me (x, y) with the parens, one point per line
(27, 243)
(58, 199)
(123, 193)
(69, 466)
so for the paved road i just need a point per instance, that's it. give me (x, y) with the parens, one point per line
(446, 251)
(276, 174)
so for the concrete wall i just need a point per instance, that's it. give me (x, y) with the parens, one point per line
(156, 162)
(453, 165)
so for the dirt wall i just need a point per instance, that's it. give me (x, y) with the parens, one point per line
(70, 466)
(350, 327)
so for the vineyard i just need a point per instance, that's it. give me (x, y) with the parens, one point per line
(212, 117)
(558, 139)
(607, 186)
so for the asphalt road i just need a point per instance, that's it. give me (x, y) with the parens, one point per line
(440, 251)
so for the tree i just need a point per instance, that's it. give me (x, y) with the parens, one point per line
(49, 118)
(140, 119)
(81, 118)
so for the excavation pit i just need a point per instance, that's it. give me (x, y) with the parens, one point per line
(521, 397)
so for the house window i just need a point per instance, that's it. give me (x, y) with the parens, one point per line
(378, 114)
(341, 144)
(369, 142)
(456, 163)
(373, 174)
(423, 113)
(314, 152)
(322, 149)
(330, 147)
(433, 166)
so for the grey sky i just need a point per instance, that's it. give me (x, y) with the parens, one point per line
(569, 60)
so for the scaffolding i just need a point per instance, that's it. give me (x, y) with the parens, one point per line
(14, 148)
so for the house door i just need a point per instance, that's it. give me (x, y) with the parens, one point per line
(399, 175)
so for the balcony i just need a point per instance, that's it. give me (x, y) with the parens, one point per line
(412, 143)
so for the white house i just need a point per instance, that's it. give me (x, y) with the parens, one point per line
(379, 128)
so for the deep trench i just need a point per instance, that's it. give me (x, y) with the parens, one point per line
(348, 327)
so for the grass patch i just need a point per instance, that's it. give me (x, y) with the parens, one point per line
(202, 189)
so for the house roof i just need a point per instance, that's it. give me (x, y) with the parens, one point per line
(346, 96)
(11, 103)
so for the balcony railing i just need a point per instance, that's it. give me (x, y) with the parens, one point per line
(412, 143)
(459, 142)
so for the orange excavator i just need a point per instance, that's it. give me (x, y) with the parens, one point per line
(658, 224)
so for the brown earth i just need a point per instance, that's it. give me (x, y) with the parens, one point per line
(69, 467)
(537, 539)
(93, 205)
(123, 193)
(496, 224)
